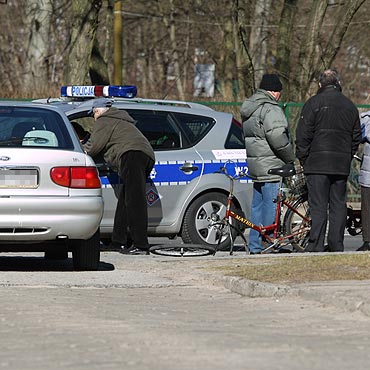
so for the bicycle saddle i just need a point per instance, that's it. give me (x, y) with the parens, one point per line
(285, 171)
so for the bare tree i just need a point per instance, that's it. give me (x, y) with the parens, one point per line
(38, 21)
(78, 53)
(316, 51)
(46, 43)
(169, 22)
(285, 41)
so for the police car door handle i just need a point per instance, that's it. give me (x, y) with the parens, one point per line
(188, 167)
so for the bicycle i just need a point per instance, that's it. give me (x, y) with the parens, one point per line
(291, 227)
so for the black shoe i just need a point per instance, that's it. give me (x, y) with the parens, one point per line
(364, 247)
(116, 246)
(253, 253)
(133, 251)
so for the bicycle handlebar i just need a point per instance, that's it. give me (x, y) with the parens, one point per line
(224, 171)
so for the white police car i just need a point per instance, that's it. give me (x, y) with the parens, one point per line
(185, 194)
(50, 191)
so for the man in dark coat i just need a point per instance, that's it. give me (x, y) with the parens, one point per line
(327, 137)
(129, 153)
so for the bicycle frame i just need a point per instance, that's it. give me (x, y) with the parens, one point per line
(270, 233)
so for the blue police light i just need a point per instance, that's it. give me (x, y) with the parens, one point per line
(80, 91)
(126, 91)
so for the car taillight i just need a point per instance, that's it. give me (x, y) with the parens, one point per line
(76, 177)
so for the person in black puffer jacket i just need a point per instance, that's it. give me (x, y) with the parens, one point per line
(327, 137)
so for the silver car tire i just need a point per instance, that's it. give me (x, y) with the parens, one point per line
(57, 253)
(201, 223)
(86, 253)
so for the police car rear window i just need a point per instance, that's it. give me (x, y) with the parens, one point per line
(28, 127)
(234, 138)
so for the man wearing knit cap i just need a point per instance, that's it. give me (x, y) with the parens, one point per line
(268, 145)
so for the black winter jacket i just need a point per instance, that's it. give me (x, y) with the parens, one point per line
(328, 133)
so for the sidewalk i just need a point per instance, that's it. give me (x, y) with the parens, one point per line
(349, 295)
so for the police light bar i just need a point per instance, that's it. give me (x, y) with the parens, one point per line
(125, 91)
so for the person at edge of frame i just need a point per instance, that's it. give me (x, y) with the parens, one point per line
(364, 181)
(127, 151)
(268, 145)
(327, 137)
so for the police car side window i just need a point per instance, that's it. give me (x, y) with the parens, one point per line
(158, 127)
(194, 127)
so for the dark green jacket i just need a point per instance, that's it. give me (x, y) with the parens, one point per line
(114, 133)
(266, 136)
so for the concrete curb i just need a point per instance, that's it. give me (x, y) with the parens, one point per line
(349, 296)
(254, 289)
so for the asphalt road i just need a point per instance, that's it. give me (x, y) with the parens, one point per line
(150, 312)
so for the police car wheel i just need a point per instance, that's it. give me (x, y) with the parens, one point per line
(201, 223)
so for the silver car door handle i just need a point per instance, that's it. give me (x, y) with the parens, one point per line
(187, 167)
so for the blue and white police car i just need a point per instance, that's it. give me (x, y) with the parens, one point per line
(185, 194)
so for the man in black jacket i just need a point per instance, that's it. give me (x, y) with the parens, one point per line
(327, 137)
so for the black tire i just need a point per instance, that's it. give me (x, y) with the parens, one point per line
(57, 253)
(294, 223)
(202, 220)
(182, 250)
(86, 253)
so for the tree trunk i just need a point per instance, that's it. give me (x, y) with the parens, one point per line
(81, 42)
(308, 49)
(258, 38)
(117, 50)
(36, 62)
(171, 27)
(284, 44)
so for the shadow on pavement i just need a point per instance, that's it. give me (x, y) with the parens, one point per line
(34, 263)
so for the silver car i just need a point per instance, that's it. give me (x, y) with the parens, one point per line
(50, 191)
(185, 194)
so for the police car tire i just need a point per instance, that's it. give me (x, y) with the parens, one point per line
(86, 253)
(189, 232)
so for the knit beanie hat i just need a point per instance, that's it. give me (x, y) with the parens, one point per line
(271, 82)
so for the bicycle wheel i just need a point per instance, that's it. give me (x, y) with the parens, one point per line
(187, 250)
(297, 223)
(229, 232)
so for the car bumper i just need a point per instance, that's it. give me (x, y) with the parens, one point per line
(45, 219)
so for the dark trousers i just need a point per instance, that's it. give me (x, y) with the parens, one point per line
(327, 192)
(131, 217)
(365, 213)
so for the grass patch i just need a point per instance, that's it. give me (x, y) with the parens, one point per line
(302, 269)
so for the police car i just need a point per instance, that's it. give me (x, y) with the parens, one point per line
(50, 191)
(185, 194)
